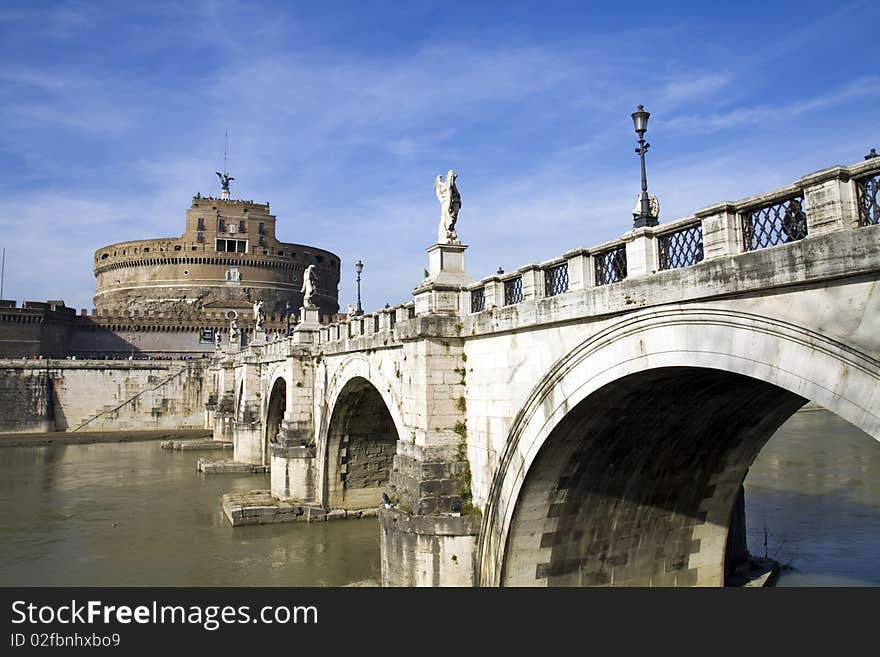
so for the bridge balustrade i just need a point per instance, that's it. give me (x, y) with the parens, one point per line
(610, 265)
(773, 224)
(556, 280)
(866, 198)
(478, 299)
(681, 248)
(513, 291)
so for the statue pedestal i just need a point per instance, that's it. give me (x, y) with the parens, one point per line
(440, 293)
(259, 337)
(309, 317)
(446, 264)
(309, 324)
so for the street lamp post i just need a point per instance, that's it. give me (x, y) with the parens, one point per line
(131, 336)
(359, 266)
(645, 216)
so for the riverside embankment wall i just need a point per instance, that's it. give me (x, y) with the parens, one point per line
(68, 395)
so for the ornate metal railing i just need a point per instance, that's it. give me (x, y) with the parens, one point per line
(611, 265)
(478, 300)
(869, 205)
(681, 248)
(513, 291)
(556, 280)
(770, 225)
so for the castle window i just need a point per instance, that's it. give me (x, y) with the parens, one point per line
(241, 227)
(200, 225)
(262, 228)
(221, 225)
(194, 248)
(200, 237)
(146, 249)
(262, 239)
(177, 247)
(221, 245)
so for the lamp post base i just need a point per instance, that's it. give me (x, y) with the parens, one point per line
(643, 222)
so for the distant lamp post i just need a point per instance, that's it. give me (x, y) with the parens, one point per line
(287, 311)
(359, 266)
(645, 216)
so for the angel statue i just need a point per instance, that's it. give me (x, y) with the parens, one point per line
(450, 204)
(234, 335)
(225, 179)
(310, 281)
(259, 315)
(217, 339)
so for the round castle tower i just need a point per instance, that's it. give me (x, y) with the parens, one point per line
(227, 258)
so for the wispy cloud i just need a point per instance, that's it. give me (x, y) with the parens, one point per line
(769, 116)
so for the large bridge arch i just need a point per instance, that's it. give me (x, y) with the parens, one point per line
(359, 426)
(536, 528)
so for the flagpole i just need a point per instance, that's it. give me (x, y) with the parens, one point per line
(3, 272)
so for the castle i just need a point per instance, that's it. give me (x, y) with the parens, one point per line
(170, 297)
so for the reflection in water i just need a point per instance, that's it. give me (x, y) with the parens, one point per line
(127, 514)
(814, 490)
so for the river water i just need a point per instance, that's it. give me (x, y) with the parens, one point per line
(129, 514)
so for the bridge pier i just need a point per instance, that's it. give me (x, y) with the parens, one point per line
(248, 430)
(293, 475)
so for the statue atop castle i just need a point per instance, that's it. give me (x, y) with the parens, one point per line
(450, 204)
(225, 179)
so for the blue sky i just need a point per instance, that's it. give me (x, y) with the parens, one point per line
(341, 115)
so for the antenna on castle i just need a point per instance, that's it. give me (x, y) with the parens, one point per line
(225, 178)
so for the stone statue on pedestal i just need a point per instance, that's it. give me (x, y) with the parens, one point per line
(234, 335)
(259, 315)
(310, 282)
(217, 339)
(225, 179)
(450, 204)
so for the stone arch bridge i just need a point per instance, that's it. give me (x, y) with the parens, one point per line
(583, 421)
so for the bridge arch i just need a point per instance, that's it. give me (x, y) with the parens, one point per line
(359, 429)
(625, 463)
(276, 407)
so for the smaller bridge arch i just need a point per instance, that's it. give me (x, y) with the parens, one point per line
(276, 409)
(360, 425)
